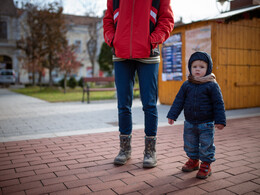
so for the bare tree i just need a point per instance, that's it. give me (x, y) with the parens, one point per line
(91, 11)
(92, 45)
(90, 6)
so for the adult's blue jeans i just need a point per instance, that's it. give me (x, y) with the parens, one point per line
(199, 141)
(125, 78)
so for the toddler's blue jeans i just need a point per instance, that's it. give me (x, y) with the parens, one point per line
(199, 141)
(125, 78)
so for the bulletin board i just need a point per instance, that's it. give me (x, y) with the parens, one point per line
(172, 58)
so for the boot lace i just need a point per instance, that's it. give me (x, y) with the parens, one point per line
(124, 145)
(148, 153)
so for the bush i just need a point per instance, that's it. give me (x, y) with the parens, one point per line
(61, 83)
(80, 82)
(72, 83)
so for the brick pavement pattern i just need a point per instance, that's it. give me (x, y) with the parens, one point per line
(82, 164)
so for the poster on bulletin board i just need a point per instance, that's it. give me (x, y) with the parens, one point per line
(198, 39)
(172, 58)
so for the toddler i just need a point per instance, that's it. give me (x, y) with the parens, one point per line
(200, 97)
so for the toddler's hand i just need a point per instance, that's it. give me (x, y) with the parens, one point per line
(219, 126)
(170, 121)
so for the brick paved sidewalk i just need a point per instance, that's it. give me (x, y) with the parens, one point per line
(82, 164)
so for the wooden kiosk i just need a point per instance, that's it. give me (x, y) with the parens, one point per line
(233, 40)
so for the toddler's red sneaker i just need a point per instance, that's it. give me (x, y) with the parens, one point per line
(191, 165)
(205, 171)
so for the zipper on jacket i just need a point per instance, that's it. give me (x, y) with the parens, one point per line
(131, 30)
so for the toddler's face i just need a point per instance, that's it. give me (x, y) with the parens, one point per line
(199, 68)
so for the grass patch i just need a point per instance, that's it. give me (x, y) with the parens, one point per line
(55, 94)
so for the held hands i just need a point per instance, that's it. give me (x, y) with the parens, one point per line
(170, 121)
(219, 126)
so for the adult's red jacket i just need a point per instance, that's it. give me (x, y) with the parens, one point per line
(131, 36)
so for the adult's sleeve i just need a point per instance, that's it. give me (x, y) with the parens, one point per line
(164, 25)
(108, 24)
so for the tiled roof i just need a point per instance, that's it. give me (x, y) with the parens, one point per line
(234, 12)
(80, 20)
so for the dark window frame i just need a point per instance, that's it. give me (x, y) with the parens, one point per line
(3, 30)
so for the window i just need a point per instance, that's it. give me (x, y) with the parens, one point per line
(78, 46)
(3, 30)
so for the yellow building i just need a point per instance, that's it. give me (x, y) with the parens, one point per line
(233, 40)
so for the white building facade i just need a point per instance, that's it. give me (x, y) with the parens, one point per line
(9, 33)
(12, 22)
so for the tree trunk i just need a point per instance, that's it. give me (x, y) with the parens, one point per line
(40, 78)
(93, 67)
(65, 83)
(33, 77)
(50, 77)
(50, 70)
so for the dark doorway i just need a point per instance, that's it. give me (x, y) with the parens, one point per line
(5, 62)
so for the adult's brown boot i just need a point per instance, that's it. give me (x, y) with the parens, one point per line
(125, 150)
(150, 159)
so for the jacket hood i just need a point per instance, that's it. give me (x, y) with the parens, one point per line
(204, 57)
